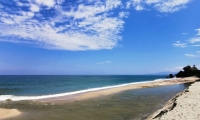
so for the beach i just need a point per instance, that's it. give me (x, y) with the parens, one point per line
(7, 113)
(184, 106)
(113, 90)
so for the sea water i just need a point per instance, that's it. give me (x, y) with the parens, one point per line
(44, 86)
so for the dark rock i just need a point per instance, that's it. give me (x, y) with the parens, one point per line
(170, 76)
(188, 71)
(194, 68)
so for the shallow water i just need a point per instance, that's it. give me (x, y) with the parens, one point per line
(128, 105)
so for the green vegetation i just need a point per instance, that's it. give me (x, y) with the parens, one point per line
(188, 71)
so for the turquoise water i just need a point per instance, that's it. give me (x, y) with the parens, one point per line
(49, 84)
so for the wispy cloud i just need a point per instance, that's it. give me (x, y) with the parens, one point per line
(196, 45)
(105, 62)
(139, 8)
(49, 3)
(192, 42)
(195, 39)
(174, 69)
(72, 25)
(194, 55)
(123, 14)
(171, 5)
(54, 25)
(179, 44)
(167, 6)
(136, 4)
(198, 31)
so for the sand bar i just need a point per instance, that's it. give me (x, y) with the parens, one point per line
(109, 91)
(184, 106)
(7, 113)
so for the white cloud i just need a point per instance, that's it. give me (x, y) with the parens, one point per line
(160, 5)
(123, 14)
(174, 69)
(105, 62)
(49, 3)
(128, 4)
(179, 44)
(198, 30)
(139, 7)
(136, 1)
(194, 40)
(194, 55)
(196, 45)
(30, 14)
(171, 5)
(34, 8)
(152, 1)
(136, 4)
(77, 27)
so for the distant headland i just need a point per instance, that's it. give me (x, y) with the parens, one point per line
(188, 71)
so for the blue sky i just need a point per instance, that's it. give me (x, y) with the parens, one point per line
(98, 36)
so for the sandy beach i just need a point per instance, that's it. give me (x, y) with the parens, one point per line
(184, 106)
(7, 113)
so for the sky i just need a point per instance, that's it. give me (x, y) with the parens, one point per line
(98, 37)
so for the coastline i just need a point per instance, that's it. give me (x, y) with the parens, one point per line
(104, 92)
(183, 106)
(99, 93)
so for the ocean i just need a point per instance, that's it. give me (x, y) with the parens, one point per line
(43, 86)
(134, 104)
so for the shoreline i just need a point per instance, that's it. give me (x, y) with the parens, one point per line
(183, 106)
(94, 94)
(104, 92)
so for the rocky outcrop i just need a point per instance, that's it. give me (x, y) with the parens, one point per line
(170, 76)
(194, 68)
(187, 72)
